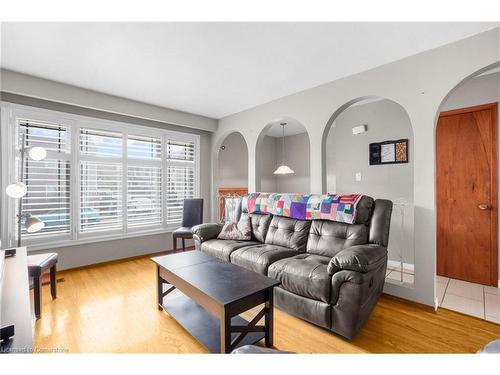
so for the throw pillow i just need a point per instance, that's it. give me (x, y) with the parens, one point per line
(241, 231)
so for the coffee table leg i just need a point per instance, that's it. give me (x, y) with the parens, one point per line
(269, 319)
(225, 333)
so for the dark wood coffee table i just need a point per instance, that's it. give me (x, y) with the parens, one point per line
(214, 293)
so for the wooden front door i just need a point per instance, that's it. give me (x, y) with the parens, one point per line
(466, 200)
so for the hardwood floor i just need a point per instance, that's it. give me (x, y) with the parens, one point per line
(111, 308)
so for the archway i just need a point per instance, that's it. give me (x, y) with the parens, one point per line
(352, 166)
(270, 154)
(477, 89)
(232, 171)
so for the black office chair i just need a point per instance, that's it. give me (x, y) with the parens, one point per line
(192, 214)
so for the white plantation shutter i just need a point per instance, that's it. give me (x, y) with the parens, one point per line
(48, 180)
(144, 182)
(180, 177)
(144, 148)
(101, 185)
(100, 143)
(144, 196)
(100, 196)
(182, 151)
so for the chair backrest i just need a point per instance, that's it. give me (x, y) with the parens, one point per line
(192, 213)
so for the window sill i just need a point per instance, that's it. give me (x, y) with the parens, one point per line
(104, 238)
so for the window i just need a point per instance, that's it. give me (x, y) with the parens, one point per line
(180, 185)
(100, 143)
(145, 148)
(183, 151)
(100, 196)
(144, 196)
(144, 182)
(48, 181)
(100, 179)
(180, 177)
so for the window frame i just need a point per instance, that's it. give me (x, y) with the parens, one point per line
(10, 112)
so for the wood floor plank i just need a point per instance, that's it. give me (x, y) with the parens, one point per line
(111, 308)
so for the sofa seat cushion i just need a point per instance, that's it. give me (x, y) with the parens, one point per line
(222, 249)
(305, 275)
(257, 258)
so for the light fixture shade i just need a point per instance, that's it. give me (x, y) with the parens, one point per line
(16, 190)
(284, 169)
(37, 153)
(33, 224)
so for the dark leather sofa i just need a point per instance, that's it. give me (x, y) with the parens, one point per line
(331, 273)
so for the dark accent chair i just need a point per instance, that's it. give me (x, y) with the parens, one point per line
(331, 273)
(192, 214)
(37, 265)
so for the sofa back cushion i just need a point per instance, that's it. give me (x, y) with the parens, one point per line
(260, 225)
(365, 210)
(291, 233)
(327, 238)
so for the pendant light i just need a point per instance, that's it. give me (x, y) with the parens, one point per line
(283, 168)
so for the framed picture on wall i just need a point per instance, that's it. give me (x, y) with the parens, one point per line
(389, 152)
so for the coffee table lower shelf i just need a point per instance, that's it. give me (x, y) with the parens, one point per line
(204, 326)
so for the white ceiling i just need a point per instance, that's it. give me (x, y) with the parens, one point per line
(213, 69)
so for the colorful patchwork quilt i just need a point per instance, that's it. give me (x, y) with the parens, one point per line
(334, 207)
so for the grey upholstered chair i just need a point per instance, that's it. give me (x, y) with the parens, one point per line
(192, 214)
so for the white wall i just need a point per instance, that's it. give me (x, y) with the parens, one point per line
(419, 83)
(479, 90)
(267, 157)
(34, 87)
(233, 162)
(483, 89)
(347, 154)
(297, 157)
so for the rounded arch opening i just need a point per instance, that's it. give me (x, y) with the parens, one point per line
(463, 109)
(367, 148)
(273, 150)
(231, 176)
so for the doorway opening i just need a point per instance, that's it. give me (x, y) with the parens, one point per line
(284, 141)
(232, 176)
(467, 198)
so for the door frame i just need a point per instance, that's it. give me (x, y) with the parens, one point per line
(493, 182)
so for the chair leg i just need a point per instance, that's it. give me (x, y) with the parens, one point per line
(37, 293)
(175, 242)
(183, 244)
(53, 290)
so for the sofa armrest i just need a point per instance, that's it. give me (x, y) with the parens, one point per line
(207, 231)
(360, 258)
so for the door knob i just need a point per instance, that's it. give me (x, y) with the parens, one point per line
(483, 206)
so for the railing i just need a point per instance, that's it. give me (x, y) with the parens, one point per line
(224, 195)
